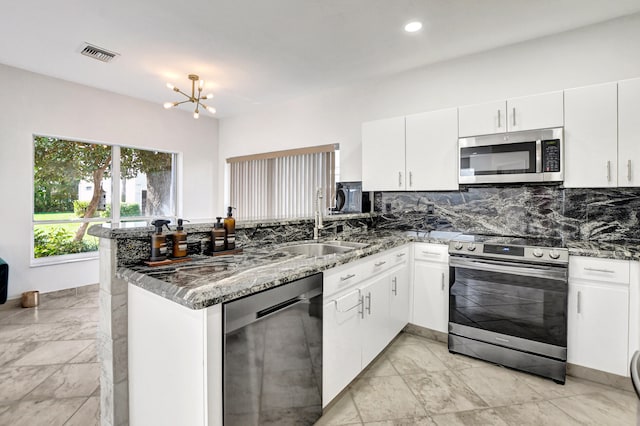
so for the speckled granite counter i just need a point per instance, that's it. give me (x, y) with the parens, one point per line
(604, 250)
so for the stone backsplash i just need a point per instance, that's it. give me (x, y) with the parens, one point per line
(607, 214)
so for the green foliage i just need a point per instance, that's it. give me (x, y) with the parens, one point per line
(136, 161)
(59, 241)
(126, 210)
(80, 208)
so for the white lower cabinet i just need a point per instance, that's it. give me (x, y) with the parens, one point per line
(598, 314)
(358, 321)
(431, 286)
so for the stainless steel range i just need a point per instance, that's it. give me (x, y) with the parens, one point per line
(508, 302)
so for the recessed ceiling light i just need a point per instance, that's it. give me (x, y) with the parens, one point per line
(412, 27)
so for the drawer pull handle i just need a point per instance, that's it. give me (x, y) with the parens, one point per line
(608, 171)
(442, 288)
(578, 304)
(629, 170)
(347, 277)
(399, 179)
(394, 287)
(431, 253)
(351, 308)
(380, 263)
(401, 254)
(607, 271)
(368, 303)
(514, 117)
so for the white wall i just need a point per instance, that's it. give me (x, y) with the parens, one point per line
(32, 103)
(599, 53)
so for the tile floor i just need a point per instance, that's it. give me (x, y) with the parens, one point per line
(49, 375)
(49, 371)
(416, 381)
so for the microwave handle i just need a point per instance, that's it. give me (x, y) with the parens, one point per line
(539, 156)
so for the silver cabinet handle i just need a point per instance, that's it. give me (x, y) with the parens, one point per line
(578, 304)
(361, 306)
(380, 263)
(608, 171)
(629, 170)
(431, 253)
(442, 288)
(347, 277)
(399, 178)
(401, 254)
(394, 287)
(499, 125)
(410, 179)
(514, 117)
(607, 271)
(369, 303)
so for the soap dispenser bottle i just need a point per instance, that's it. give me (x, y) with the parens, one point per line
(218, 236)
(180, 241)
(159, 240)
(230, 228)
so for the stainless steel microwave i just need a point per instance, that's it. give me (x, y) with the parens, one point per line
(529, 156)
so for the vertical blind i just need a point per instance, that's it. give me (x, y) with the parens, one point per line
(282, 184)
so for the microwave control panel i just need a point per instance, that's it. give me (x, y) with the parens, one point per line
(551, 155)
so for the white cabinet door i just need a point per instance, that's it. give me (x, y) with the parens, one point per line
(375, 328)
(598, 326)
(432, 150)
(383, 155)
(541, 111)
(341, 352)
(591, 136)
(399, 300)
(431, 296)
(482, 119)
(629, 132)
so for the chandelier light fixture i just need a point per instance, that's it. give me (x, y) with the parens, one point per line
(193, 98)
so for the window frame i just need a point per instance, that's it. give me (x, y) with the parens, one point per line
(115, 199)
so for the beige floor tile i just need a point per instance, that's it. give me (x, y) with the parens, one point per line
(385, 398)
(10, 352)
(50, 412)
(412, 359)
(54, 352)
(415, 421)
(498, 386)
(47, 332)
(88, 355)
(16, 382)
(380, 367)
(602, 408)
(72, 380)
(48, 316)
(342, 412)
(453, 361)
(550, 389)
(83, 301)
(487, 417)
(87, 415)
(540, 413)
(443, 392)
(408, 339)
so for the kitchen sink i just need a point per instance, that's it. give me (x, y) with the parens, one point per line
(322, 249)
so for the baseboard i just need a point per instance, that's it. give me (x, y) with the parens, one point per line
(426, 332)
(16, 302)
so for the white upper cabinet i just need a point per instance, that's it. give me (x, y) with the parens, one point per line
(482, 119)
(541, 111)
(432, 151)
(629, 132)
(591, 136)
(383, 155)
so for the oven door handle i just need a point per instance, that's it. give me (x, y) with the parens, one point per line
(527, 270)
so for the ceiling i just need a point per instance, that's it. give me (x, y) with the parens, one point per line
(259, 52)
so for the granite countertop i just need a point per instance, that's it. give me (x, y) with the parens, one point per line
(605, 250)
(207, 281)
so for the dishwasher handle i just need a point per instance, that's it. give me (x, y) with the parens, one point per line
(280, 306)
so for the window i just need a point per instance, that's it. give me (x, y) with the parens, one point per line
(74, 188)
(282, 184)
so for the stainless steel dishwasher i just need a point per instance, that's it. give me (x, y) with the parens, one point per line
(273, 355)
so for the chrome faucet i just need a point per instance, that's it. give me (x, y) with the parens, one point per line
(318, 225)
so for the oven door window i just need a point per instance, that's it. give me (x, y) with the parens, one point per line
(502, 159)
(529, 307)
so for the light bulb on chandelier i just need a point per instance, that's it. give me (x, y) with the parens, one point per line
(193, 98)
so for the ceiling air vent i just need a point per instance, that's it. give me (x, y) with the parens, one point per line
(98, 53)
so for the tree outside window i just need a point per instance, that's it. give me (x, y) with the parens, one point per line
(73, 188)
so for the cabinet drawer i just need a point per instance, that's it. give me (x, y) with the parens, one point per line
(342, 277)
(594, 269)
(431, 252)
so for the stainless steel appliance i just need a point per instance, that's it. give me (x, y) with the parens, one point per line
(273, 355)
(508, 303)
(530, 156)
(351, 199)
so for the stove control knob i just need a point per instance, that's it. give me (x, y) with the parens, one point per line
(554, 254)
(458, 245)
(471, 246)
(537, 252)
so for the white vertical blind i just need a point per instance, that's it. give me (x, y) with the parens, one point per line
(285, 186)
